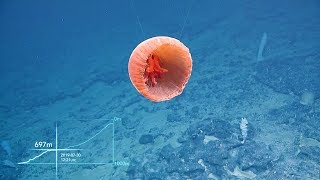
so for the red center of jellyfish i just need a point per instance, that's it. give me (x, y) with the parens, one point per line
(153, 70)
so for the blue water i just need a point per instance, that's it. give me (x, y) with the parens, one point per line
(250, 110)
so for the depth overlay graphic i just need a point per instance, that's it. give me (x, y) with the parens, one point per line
(71, 154)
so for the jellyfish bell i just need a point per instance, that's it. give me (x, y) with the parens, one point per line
(160, 67)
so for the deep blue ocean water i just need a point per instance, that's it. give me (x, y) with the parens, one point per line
(250, 110)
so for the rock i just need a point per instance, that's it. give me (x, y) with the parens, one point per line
(174, 117)
(167, 152)
(211, 127)
(146, 139)
(8, 163)
(288, 75)
(256, 157)
(6, 147)
(130, 123)
(310, 153)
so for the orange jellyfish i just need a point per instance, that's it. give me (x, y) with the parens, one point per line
(160, 67)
